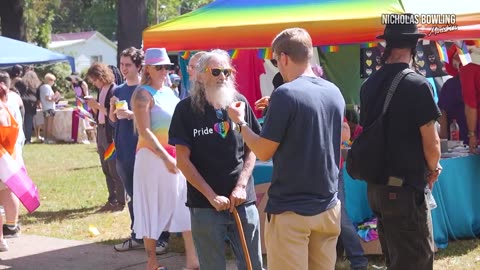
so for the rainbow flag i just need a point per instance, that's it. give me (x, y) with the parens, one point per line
(330, 49)
(463, 54)
(234, 53)
(15, 177)
(265, 53)
(110, 152)
(368, 45)
(185, 55)
(82, 110)
(442, 52)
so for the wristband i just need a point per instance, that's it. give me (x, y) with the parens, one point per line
(240, 125)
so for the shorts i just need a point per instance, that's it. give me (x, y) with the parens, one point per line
(48, 113)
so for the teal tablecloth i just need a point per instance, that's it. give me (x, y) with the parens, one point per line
(457, 194)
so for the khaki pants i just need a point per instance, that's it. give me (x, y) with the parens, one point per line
(296, 242)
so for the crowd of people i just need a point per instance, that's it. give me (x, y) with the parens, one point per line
(185, 157)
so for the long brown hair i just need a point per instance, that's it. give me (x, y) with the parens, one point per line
(101, 72)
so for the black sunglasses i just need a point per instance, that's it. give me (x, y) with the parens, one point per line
(217, 71)
(160, 67)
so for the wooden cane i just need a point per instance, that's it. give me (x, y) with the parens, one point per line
(242, 238)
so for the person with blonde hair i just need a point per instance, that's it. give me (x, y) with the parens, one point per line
(47, 99)
(101, 76)
(159, 188)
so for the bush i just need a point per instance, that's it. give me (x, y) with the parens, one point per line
(61, 70)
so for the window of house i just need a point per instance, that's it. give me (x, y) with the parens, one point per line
(95, 58)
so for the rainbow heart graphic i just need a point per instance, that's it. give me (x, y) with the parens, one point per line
(222, 128)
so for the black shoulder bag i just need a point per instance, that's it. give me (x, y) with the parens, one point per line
(366, 158)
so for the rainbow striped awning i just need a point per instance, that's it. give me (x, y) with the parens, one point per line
(242, 24)
(239, 24)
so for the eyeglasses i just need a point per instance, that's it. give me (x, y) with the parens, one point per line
(217, 71)
(274, 62)
(160, 67)
(219, 113)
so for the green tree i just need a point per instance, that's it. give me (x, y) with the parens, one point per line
(39, 15)
(169, 9)
(86, 15)
(11, 19)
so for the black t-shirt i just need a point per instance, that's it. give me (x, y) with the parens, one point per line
(411, 107)
(305, 117)
(218, 156)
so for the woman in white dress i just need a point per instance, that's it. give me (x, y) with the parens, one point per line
(158, 186)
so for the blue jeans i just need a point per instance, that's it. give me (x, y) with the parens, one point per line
(210, 228)
(348, 238)
(125, 172)
(28, 127)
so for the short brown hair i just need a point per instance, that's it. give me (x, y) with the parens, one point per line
(100, 71)
(294, 42)
(136, 55)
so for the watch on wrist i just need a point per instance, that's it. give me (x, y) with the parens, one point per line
(471, 134)
(240, 125)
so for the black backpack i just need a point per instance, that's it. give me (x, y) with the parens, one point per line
(366, 158)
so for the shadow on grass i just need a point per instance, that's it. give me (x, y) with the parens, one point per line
(84, 168)
(52, 216)
(457, 248)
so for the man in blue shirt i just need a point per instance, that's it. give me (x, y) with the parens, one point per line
(302, 132)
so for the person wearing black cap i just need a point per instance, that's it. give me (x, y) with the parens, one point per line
(412, 153)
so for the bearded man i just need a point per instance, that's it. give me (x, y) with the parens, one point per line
(217, 164)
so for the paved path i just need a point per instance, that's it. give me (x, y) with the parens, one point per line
(31, 252)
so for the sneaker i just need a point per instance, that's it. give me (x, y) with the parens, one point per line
(3, 245)
(11, 231)
(127, 245)
(161, 248)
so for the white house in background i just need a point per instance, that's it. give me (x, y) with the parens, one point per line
(86, 48)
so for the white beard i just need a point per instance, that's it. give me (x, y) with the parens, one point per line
(221, 96)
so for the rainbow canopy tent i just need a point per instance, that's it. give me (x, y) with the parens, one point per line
(14, 52)
(232, 24)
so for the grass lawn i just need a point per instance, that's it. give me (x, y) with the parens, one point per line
(72, 188)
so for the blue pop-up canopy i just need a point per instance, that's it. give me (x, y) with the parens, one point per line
(14, 52)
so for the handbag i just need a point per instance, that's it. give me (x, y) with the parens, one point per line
(367, 155)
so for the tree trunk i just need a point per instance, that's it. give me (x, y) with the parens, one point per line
(12, 21)
(132, 20)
